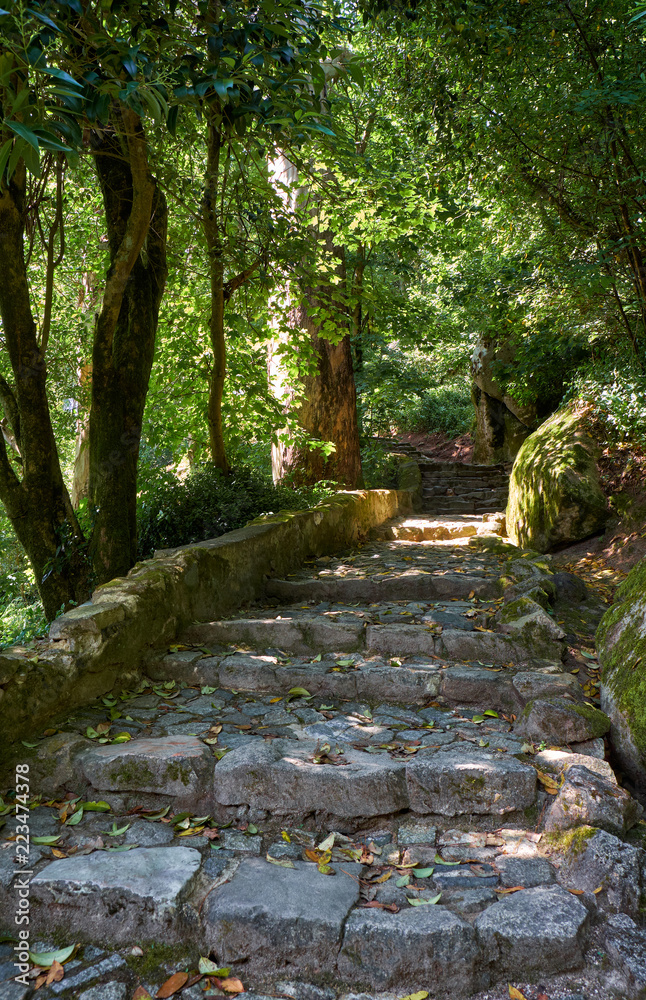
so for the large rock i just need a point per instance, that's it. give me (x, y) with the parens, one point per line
(414, 947)
(527, 622)
(277, 919)
(621, 642)
(625, 945)
(560, 721)
(588, 799)
(607, 867)
(554, 492)
(533, 930)
(119, 898)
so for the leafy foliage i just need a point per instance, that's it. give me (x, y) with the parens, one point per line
(207, 504)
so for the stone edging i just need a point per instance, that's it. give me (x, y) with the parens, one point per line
(107, 641)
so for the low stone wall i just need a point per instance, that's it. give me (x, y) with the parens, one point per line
(107, 641)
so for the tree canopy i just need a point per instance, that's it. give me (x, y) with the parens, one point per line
(455, 173)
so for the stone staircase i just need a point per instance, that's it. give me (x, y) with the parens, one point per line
(368, 781)
(454, 488)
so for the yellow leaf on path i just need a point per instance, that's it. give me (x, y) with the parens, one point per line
(422, 995)
(548, 782)
(516, 994)
(576, 892)
(596, 891)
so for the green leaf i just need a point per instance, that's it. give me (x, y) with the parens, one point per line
(45, 959)
(403, 881)
(124, 847)
(97, 807)
(423, 872)
(299, 693)
(477, 719)
(24, 132)
(425, 902)
(490, 712)
(45, 840)
(75, 818)
(207, 690)
(121, 738)
(156, 816)
(440, 861)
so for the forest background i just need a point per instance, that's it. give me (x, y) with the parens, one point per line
(207, 207)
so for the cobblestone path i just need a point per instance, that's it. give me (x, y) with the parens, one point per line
(386, 778)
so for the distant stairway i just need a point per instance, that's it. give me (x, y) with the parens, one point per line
(455, 488)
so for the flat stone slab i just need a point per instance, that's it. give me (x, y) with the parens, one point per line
(177, 766)
(408, 585)
(416, 946)
(464, 685)
(533, 931)
(280, 777)
(456, 782)
(120, 898)
(276, 919)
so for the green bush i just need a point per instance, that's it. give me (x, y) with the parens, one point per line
(206, 504)
(20, 622)
(379, 466)
(618, 401)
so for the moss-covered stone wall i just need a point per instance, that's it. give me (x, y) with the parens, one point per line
(107, 641)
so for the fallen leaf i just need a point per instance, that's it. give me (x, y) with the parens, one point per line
(577, 892)
(45, 959)
(328, 843)
(45, 840)
(141, 993)
(423, 872)
(598, 890)
(296, 693)
(513, 888)
(384, 877)
(172, 985)
(281, 862)
(376, 905)
(326, 870)
(209, 968)
(229, 985)
(425, 902)
(516, 994)
(136, 951)
(55, 974)
(548, 782)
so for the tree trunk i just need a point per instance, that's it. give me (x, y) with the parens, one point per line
(124, 341)
(327, 411)
(216, 276)
(36, 499)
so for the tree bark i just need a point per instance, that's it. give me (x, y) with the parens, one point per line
(124, 340)
(327, 410)
(35, 498)
(216, 277)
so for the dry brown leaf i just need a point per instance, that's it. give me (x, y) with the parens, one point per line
(172, 985)
(55, 974)
(548, 782)
(514, 888)
(577, 892)
(230, 985)
(57, 853)
(374, 904)
(312, 855)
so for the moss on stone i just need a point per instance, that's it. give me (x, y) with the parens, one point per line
(597, 720)
(554, 493)
(570, 842)
(179, 772)
(133, 775)
(621, 640)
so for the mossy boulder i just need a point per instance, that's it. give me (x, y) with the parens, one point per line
(554, 492)
(621, 642)
(530, 624)
(561, 721)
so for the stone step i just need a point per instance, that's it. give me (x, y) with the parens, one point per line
(410, 585)
(314, 634)
(462, 469)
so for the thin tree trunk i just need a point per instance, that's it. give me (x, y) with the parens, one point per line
(216, 276)
(35, 498)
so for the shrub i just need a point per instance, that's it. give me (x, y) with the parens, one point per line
(207, 504)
